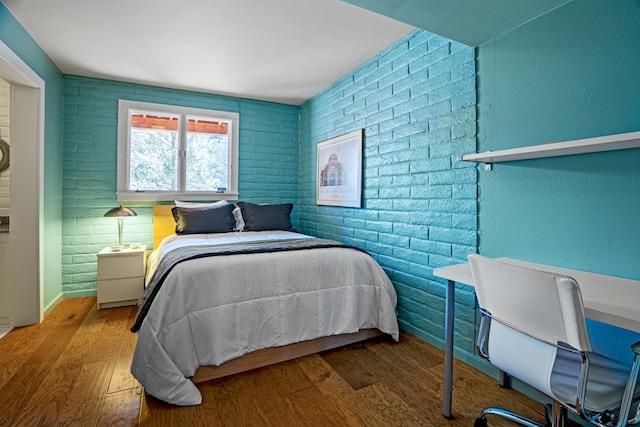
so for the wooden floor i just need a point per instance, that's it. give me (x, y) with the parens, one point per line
(73, 370)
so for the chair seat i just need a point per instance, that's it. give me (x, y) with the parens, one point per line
(605, 384)
(510, 350)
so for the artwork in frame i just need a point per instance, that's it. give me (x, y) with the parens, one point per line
(339, 173)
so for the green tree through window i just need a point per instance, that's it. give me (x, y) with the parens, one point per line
(153, 160)
(168, 152)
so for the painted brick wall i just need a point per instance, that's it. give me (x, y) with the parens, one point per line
(268, 165)
(416, 104)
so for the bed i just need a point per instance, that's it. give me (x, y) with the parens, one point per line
(219, 303)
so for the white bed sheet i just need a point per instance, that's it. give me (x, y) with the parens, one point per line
(175, 241)
(214, 309)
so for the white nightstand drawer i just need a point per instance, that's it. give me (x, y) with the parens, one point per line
(129, 264)
(120, 290)
(120, 276)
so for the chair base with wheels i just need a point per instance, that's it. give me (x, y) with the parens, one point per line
(561, 417)
(481, 421)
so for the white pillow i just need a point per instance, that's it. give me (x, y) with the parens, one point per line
(199, 204)
(237, 214)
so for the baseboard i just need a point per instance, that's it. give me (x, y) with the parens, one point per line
(4, 330)
(48, 309)
(80, 294)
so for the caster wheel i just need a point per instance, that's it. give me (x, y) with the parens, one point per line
(480, 422)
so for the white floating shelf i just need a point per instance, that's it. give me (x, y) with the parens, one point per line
(553, 149)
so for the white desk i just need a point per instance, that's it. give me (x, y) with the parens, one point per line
(607, 299)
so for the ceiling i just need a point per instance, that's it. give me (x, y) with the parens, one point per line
(275, 50)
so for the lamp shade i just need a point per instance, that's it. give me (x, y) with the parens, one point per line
(120, 211)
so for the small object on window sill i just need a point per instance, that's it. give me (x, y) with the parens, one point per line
(221, 189)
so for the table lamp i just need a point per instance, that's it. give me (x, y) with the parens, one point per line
(119, 213)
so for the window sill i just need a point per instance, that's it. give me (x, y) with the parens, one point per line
(157, 196)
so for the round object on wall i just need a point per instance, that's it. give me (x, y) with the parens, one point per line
(4, 155)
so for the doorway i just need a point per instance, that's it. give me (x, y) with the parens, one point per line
(26, 283)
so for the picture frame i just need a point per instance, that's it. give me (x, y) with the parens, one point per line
(339, 171)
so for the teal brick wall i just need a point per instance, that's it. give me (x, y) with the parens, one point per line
(416, 103)
(267, 174)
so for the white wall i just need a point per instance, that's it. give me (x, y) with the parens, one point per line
(4, 134)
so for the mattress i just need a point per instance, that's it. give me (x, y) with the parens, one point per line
(212, 309)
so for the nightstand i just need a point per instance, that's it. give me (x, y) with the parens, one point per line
(120, 276)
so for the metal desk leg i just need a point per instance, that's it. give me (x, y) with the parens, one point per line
(504, 380)
(448, 349)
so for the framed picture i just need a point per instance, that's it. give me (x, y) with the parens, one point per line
(339, 173)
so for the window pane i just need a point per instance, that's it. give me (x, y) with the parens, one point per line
(169, 152)
(207, 166)
(154, 153)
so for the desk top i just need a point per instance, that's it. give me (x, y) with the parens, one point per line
(607, 299)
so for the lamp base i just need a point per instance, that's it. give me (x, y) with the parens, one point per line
(120, 223)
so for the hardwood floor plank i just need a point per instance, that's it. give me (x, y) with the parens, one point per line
(220, 407)
(58, 330)
(54, 345)
(346, 362)
(268, 396)
(412, 385)
(411, 349)
(121, 408)
(154, 412)
(28, 339)
(317, 409)
(242, 388)
(111, 336)
(74, 369)
(426, 378)
(16, 393)
(49, 399)
(87, 395)
(9, 366)
(21, 341)
(473, 391)
(72, 310)
(122, 378)
(288, 377)
(390, 410)
(94, 321)
(76, 351)
(336, 388)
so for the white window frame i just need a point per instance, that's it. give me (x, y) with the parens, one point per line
(123, 192)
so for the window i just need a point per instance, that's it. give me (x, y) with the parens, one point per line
(167, 152)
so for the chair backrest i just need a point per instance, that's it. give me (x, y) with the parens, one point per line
(543, 305)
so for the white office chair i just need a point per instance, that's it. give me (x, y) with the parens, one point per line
(533, 328)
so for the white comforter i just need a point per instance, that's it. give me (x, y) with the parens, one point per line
(214, 309)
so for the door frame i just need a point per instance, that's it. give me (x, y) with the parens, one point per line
(27, 116)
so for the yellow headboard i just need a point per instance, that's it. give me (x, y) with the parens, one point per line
(163, 223)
